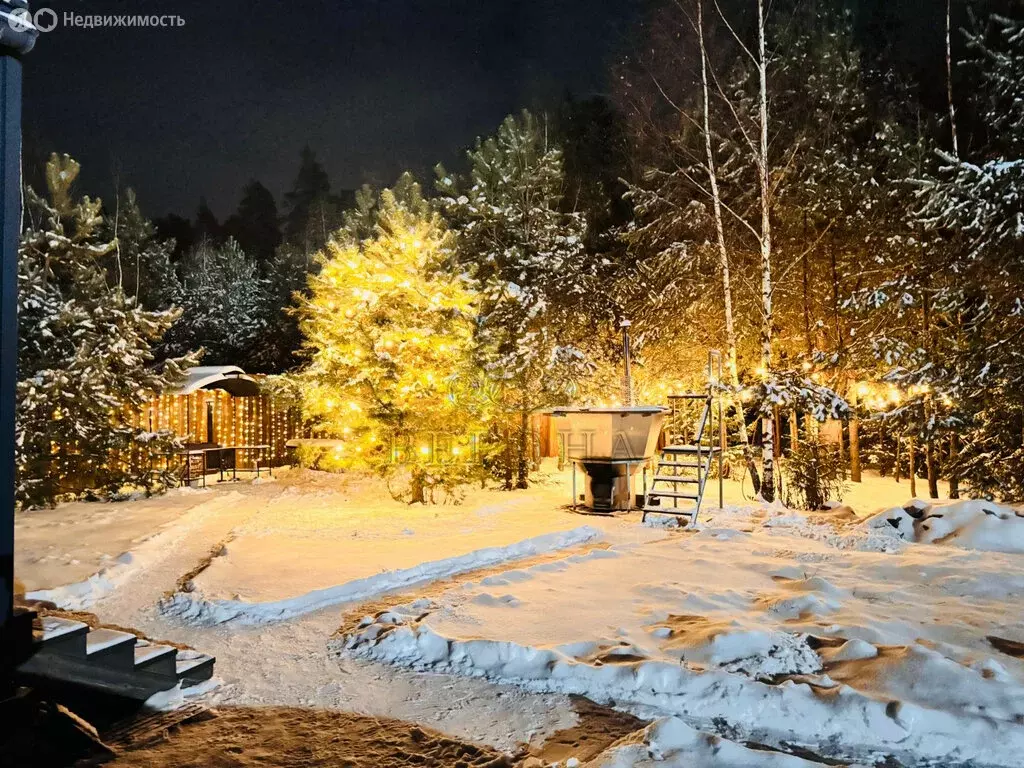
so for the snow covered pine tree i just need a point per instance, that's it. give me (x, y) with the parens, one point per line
(85, 357)
(527, 259)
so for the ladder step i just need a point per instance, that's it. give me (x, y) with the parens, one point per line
(687, 450)
(680, 464)
(689, 396)
(193, 667)
(669, 511)
(61, 635)
(673, 495)
(675, 479)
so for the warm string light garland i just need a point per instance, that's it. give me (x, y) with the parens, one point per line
(236, 421)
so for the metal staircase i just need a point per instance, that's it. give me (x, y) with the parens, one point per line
(682, 470)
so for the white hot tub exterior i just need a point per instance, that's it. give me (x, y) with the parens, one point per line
(610, 445)
(610, 434)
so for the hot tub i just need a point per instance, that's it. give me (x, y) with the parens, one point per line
(610, 445)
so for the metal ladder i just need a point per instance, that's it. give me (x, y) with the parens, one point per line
(682, 471)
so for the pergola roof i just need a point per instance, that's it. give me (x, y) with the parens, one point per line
(229, 378)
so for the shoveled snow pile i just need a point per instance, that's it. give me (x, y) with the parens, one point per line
(816, 712)
(195, 609)
(671, 743)
(83, 595)
(969, 524)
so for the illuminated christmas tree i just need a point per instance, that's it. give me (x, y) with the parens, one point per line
(389, 335)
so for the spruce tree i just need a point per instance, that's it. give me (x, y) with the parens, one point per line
(528, 261)
(225, 304)
(206, 226)
(255, 225)
(140, 262)
(971, 369)
(311, 213)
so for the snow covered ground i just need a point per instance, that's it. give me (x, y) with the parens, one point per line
(832, 634)
(861, 634)
(75, 541)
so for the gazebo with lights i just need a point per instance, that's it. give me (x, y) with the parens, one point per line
(227, 421)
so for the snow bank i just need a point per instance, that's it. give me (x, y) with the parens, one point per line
(972, 524)
(83, 595)
(671, 743)
(815, 712)
(196, 609)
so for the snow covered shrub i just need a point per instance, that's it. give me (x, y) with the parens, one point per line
(85, 358)
(815, 474)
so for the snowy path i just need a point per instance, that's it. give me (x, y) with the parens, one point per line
(289, 663)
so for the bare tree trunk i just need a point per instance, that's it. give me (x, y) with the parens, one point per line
(896, 465)
(912, 448)
(954, 478)
(794, 431)
(767, 422)
(777, 415)
(117, 240)
(949, 78)
(508, 484)
(523, 464)
(855, 471)
(931, 461)
(723, 254)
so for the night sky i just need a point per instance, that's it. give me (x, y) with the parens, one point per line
(373, 86)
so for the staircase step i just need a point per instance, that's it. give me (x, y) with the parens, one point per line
(193, 667)
(687, 450)
(675, 479)
(673, 495)
(156, 659)
(62, 636)
(690, 396)
(111, 648)
(680, 464)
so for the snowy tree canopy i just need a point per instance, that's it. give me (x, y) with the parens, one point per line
(85, 357)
